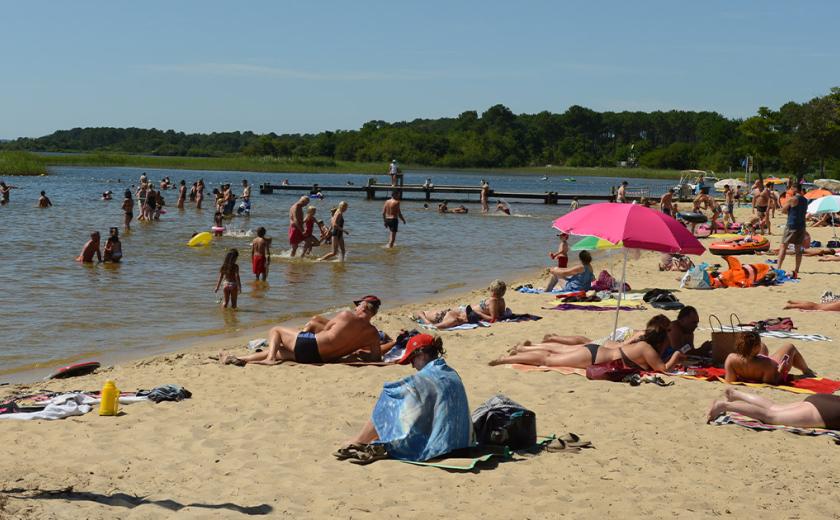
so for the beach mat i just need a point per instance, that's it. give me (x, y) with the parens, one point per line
(752, 424)
(470, 458)
(810, 385)
(593, 306)
(561, 370)
(780, 334)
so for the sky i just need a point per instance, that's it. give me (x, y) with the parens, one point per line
(293, 66)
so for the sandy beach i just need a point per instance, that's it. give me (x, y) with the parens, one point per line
(259, 440)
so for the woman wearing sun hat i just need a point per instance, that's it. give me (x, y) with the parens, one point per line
(422, 416)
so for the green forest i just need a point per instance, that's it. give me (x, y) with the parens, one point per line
(796, 138)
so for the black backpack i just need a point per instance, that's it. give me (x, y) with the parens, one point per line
(502, 422)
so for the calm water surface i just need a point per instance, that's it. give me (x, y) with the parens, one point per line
(55, 310)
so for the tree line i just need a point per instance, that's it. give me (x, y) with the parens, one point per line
(797, 138)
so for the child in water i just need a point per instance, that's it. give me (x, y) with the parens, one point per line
(229, 274)
(218, 223)
(113, 247)
(260, 254)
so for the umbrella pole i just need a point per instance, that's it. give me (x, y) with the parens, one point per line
(620, 292)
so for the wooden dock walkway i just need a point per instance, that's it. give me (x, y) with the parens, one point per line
(436, 193)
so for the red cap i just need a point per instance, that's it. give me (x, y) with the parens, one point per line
(416, 343)
(373, 300)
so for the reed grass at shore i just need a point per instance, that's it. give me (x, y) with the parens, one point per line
(21, 163)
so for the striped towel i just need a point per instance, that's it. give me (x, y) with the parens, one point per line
(780, 334)
(746, 422)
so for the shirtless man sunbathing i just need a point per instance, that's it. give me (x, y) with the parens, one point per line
(816, 411)
(751, 362)
(344, 334)
(642, 353)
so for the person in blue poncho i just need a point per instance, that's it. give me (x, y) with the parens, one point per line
(422, 416)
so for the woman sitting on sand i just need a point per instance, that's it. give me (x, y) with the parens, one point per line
(641, 353)
(816, 411)
(812, 306)
(750, 362)
(490, 309)
(419, 417)
(577, 278)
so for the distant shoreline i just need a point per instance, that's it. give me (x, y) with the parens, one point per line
(26, 163)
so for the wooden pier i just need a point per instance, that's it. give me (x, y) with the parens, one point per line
(436, 193)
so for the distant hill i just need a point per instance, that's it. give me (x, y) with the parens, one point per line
(777, 140)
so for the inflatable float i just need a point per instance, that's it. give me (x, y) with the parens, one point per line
(693, 217)
(79, 369)
(745, 246)
(201, 239)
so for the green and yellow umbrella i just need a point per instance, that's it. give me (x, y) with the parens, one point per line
(594, 243)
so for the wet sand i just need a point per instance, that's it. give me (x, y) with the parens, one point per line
(259, 439)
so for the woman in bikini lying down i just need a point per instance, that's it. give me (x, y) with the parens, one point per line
(752, 362)
(490, 309)
(643, 353)
(816, 411)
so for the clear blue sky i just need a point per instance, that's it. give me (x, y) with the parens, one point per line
(307, 66)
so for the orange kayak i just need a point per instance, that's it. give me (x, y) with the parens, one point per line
(743, 246)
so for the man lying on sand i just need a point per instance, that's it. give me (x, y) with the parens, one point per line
(345, 333)
(816, 411)
(641, 353)
(752, 362)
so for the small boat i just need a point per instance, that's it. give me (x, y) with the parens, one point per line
(569, 179)
(745, 246)
(544, 178)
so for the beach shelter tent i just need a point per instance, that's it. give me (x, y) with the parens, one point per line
(636, 227)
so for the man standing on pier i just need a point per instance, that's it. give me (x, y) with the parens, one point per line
(296, 234)
(391, 215)
(396, 173)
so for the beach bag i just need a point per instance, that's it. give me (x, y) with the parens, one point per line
(723, 341)
(499, 421)
(833, 244)
(696, 278)
(606, 282)
(614, 371)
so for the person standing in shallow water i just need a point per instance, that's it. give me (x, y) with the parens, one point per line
(485, 195)
(337, 232)
(182, 194)
(44, 201)
(391, 215)
(199, 193)
(128, 210)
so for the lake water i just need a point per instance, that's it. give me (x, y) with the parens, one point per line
(55, 310)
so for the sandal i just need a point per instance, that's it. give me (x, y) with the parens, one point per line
(369, 453)
(573, 440)
(349, 451)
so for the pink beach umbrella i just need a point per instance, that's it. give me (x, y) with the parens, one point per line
(636, 226)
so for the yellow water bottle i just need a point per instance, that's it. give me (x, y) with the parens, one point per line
(110, 399)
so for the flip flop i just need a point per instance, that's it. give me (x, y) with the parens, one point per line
(574, 440)
(349, 451)
(556, 445)
(370, 453)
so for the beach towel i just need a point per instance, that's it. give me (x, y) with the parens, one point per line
(561, 370)
(424, 415)
(516, 318)
(534, 290)
(810, 385)
(465, 326)
(593, 306)
(746, 422)
(781, 334)
(66, 405)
